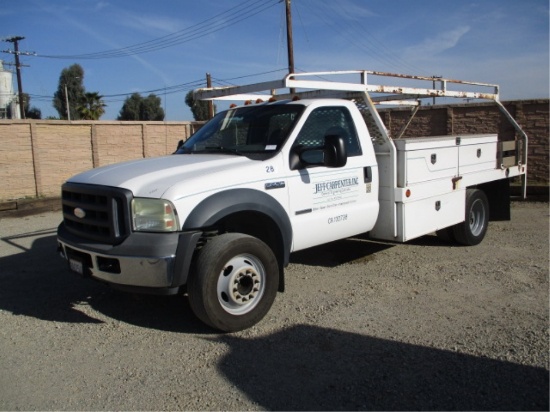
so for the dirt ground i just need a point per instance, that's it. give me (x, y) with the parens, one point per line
(362, 326)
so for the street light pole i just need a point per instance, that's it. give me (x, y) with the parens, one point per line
(67, 103)
(67, 97)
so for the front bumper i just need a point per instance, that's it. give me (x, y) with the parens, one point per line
(146, 262)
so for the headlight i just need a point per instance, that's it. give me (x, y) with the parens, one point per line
(154, 215)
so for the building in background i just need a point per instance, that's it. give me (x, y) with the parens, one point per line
(9, 109)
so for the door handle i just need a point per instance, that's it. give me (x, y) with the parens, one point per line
(367, 173)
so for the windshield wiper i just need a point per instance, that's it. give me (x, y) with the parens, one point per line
(221, 149)
(183, 150)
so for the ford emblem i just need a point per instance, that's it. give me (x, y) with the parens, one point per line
(80, 213)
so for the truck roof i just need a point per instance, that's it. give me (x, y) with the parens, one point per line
(302, 102)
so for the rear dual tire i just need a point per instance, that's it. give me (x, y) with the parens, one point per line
(476, 221)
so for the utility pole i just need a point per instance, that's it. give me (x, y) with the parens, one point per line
(289, 44)
(210, 103)
(15, 40)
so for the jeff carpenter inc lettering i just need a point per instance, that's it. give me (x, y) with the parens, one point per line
(335, 184)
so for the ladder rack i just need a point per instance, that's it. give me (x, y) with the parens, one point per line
(325, 84)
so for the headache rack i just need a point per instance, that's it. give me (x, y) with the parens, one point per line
(405, 89)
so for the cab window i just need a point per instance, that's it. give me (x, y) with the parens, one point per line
(326, 121)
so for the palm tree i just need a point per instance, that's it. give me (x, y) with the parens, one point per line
(92, 106)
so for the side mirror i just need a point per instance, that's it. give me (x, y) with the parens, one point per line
(335, 151)
(180, 144)
(332, 154)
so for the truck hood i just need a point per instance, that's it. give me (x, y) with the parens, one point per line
(154, 176)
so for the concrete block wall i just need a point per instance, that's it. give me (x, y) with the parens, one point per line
(534, 120)
(475, 118)
(59, 151)
(37, 156)
(16, 162)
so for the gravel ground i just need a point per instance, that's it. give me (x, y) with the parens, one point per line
(363, 325)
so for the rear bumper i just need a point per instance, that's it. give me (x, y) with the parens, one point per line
(144, 262)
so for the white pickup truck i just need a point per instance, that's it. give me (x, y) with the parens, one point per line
(219, 218)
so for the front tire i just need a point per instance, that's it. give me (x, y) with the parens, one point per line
(472, 231)
(234, 282)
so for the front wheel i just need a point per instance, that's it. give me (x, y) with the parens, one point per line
(472, 231)
(234, 282)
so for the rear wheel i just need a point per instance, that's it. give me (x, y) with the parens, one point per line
(472, 231)
(234, 283)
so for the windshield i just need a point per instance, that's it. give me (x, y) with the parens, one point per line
(253, 131)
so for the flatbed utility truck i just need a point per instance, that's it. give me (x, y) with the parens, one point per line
(312, 163)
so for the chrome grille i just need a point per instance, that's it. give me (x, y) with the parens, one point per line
(96, 212)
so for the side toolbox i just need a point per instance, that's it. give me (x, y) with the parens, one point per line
(425, 159)
(477, 153)
(429, 172)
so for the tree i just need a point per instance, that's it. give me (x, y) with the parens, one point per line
(31, 112)
(151, 108)
(199, 108)
(130, 108)
(137, 107)
(71, 81)
(92, 106)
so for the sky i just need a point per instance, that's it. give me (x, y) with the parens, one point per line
(166, 47)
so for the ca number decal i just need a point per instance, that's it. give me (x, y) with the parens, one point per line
(337, 219)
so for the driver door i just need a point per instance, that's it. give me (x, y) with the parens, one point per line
(330, 203)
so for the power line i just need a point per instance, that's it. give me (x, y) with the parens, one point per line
(178, 88)
(361, 38)
(191, 85)
(253, 75)
(169, 89)
(230, 17)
